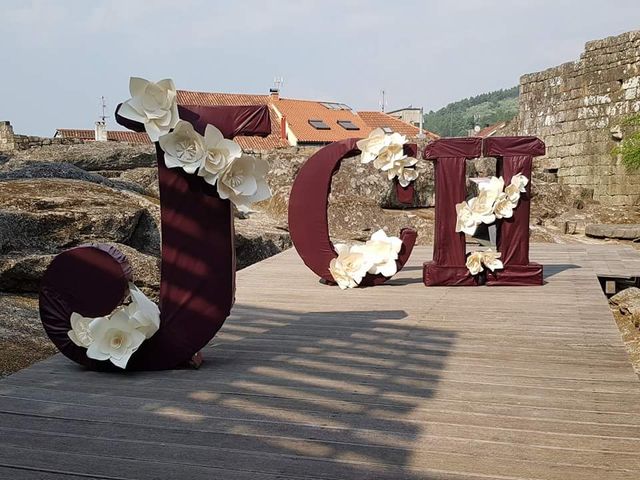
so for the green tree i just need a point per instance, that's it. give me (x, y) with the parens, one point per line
(457, 118)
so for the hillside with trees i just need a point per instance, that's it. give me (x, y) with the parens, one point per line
(457, 118)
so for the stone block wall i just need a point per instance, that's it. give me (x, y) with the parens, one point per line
(576, 108)
(10, 141)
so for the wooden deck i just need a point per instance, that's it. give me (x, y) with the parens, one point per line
(393, 382)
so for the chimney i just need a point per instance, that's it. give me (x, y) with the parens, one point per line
(101, 131)
(275, 93)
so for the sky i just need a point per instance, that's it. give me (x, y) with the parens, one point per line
(58, 57)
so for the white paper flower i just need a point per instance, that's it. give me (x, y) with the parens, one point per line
(393, 150)
(183, 148)
(382, 252)
(143, 312)
(490, 260)
(401, 170)
(504, 206)
(482, 205)
(371, 146)
(520, 181)
(243, 182)
(219, 153)
(115, 338)
(349, 267)
(79, 333)
(474, 263)
(152, 104)
(466, 221)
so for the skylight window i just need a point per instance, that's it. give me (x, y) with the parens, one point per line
(335, 106)
(319, 125)
(348, 125)
(387, 129)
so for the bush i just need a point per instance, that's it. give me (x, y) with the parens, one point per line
(629, 148)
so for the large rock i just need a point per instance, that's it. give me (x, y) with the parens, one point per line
(48, 215)
(145, 178)
(620, 231)
(259, 237)
(627, 303)
(95, 155)
(22, 170)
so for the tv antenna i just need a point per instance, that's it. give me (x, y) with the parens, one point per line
(383, 101)
(103, 106)
(278, 82)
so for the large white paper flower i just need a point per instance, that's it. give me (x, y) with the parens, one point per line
(490, 259)
(115, 338)
(79, 333)
(516, 187)
(474, 263)
(371, 146)
(466, 221)
(152, 104)
(504, 206)
(382, 252)
(244, 182)
(482, 205)
(393, 150)
(143, 312)
(349, 267)
(183, 148)
(219, 153)
(401, 170)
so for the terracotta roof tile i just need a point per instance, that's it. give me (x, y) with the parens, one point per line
(490, 130)
(112, 135)
(247, 143)
(381, 120)
(299, 112)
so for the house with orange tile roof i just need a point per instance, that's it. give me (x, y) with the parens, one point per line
(391, 124)
(293, 122)
(112, 135)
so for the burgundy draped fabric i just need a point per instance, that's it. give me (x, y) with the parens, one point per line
(449, 249)
(308, 222)
(515, 155)
(198, 260)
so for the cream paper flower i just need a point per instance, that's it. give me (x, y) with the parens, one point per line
(392, 151)
(115, 338)
(79, 333)
(476, 261)
(504, 206)
(152, 104)
(143, 312)
(382, 252)
(371, 146)
(516, 187)
(401, 170)
(243, 182)
(466, 221)
(349, 267)
(482, 205)
(490, 260)
(219, 153)
(183, 148)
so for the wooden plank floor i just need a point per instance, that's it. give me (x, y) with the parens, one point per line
(393, 382)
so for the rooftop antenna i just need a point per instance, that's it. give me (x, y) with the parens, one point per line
(103, 106)
(383, 101)
(278, 82)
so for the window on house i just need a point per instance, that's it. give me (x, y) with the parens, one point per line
(319, 125)
(335, 106)
(348, 125)
(387, 129)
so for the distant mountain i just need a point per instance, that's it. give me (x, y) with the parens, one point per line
(457, 118)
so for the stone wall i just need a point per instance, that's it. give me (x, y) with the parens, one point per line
(576, 108)
(9, 141)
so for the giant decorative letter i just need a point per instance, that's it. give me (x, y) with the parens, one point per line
(198, 260)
